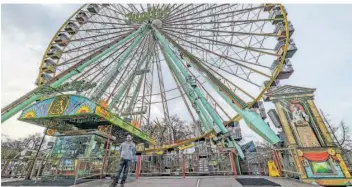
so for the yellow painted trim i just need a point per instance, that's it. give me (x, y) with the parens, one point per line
(298, 163)
(52, 41)
(343, 166)
(292, 96)
(328, 182)
(285, 125)
(326, 134)
(277, 70)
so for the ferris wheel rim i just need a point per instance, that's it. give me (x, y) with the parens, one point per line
(52, 41)
(277, 69)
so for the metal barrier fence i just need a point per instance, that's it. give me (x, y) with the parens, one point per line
(15, 167)
(146, 165)
(257, 163)
(284, 159)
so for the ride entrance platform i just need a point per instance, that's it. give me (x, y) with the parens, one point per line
(206, 181)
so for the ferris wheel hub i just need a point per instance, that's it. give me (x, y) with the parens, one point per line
(157, 23)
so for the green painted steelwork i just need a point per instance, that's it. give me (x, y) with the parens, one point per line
(190, 94)
(115, 69)
(116, 120)
(138, 86)
(198, 94)
(78, 86)
(208, 75)
(57, 83)
(255, 122)
(124, 86)
(194, 93)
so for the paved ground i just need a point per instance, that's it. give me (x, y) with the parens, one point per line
(194, 182)
(50, 182)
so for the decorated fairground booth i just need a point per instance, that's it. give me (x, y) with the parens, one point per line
(82, 113)
(316, 157)
(96, 128)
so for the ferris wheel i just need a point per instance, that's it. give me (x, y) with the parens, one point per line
(209, 62)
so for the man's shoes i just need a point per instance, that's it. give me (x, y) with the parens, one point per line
(113, 185)
(122, 185)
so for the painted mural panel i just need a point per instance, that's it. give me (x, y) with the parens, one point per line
(301, 123)
(37, 110)
(58, 105)
(321, 167)
(63, 105)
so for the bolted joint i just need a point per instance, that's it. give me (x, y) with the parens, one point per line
(192, 81)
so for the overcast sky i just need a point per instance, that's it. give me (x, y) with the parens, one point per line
(323, 60)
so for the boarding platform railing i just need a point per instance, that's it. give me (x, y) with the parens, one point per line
(175, 164)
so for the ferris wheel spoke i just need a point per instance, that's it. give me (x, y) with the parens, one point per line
(222, 77)
(229, 66)
(86, 53)
(185, 10)
(90, 59)
(113, 73)
(133, 69)
(148, 85)
(226, 71)
(102, 29)
(185, 99)
(99, 35)
(170, 9)
(105, 23)
(213, 80)
(224, 57)
(194, 14)
(196, 18)
(173, 10)
(97, 42)
(223, 43)
(218, 14)
(161, 86)
(231, 22)
(99, 63)
(120, 92)
(220, 31)
(206, 91)
(117, 11)
(133, 8)
(106, 16)
(144, 62)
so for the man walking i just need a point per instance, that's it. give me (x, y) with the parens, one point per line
(127, 153)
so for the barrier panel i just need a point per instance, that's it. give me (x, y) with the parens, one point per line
(256, 163)
(112, 164)
(147, 165)
(287, 163)
(169, 164)
(88, 167)
(16, 167)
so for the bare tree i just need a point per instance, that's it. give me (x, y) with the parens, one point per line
(163, 130)
(340, 134)
(10, 147)
(196, 128)
(263, 146)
